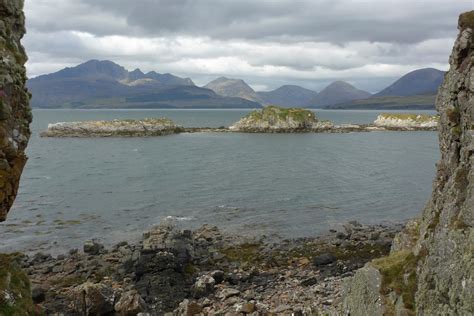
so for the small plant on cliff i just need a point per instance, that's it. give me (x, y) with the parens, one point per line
(398, 272)
(15, 295)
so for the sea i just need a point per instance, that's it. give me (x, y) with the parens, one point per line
(263, 185)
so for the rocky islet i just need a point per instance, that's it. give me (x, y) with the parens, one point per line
(270, 119)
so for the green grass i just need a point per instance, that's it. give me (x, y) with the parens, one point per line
(14, 282)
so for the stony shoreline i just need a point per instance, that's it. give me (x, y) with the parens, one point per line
(205, 271)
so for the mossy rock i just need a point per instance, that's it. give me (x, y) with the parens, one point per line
(15, 294)
(398, 272)
(466, 20)
(272, 112)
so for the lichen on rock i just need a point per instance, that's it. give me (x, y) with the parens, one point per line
(272, 119)
(15, 113)
(431, 268)
(407, 120)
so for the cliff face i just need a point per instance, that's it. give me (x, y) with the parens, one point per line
(15, 118)
(445, 276)
(15, 113)
(431, 268)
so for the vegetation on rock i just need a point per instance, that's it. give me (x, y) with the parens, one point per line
(15, 296)
(274, 118)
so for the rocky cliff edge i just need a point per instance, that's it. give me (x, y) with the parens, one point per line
(430, 270)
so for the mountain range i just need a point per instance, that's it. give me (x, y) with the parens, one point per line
(415, 90)
(105, 84)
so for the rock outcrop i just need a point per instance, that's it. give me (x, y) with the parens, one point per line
(402, 120)
(115, 128)
(15, 118)
(15, 113)
(431, 268)
(273, 119)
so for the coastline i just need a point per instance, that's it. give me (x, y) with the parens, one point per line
(206, 270)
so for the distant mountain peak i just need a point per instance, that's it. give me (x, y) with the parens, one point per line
(338, 92)
(230, 87)
(288, 96)
(418, 82)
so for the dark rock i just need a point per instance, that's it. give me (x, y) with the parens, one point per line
(92, 247)
(38, 294)
(324, 259)
(309, 281)
(218, 276)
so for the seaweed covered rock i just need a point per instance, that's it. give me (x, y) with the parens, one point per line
(15, 112)
(114, 128)
(408, 121)
(431, 267)
(273, 119)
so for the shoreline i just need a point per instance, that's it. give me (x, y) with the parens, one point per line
(207, 270)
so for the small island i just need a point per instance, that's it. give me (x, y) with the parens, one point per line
(407, 121)
(114, 128)
(270, 119)
(273, 119)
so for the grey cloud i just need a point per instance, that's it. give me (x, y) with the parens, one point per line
(401, 21)
(397, 33)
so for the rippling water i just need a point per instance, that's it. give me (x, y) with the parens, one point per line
(286, 185)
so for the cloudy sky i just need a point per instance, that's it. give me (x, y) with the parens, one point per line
(368, 43)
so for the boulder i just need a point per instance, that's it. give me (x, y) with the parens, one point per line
(130, 304)
(92, 247)
(203, 286)
(324, 259)
(93, 299)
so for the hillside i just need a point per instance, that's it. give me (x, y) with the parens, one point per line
(233, 88)
(336, 93)
(288, 96)
(418, 82)
(419, 102)
(104, 84)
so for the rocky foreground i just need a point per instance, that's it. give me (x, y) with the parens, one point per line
(205, 272)
(124, 128)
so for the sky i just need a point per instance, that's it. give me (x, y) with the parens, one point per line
(369, 43)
